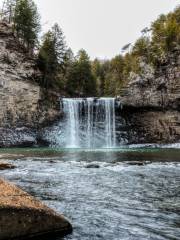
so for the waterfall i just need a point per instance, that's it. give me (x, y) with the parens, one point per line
(88, 123)
(71, 109)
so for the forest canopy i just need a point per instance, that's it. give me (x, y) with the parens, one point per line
(78, 75)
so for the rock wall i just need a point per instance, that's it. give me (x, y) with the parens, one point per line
(151, 104)
(149, 126)
(151, 101)
(24, 106)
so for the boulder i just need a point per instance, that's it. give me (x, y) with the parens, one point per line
(24, 217)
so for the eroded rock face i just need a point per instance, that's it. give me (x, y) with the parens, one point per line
(23, 104)
(23, 217)
(151, 104)
(151, 126)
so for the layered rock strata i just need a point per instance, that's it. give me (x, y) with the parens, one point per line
(24, 105)
(151, 104)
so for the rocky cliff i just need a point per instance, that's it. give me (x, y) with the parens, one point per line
(151, 103)
(24, 106)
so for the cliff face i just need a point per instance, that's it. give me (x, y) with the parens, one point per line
(24, 106)
(151, 101)
(151, 104)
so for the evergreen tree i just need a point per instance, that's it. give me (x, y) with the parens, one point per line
(80, 80)
(27, 23)
(142, 48)
(52, 57)
(47, 61)
(59, 43)
(114, 76)
(97, 71)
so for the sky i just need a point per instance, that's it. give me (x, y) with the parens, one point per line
(101, 27)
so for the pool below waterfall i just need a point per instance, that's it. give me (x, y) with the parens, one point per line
(106, 194)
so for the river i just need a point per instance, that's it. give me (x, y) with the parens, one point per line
(117, 194)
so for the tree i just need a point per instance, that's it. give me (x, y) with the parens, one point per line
(142, 48)
(126, 47)
(114, 76)
(8, 10)
(59, 43)
(100, 70)
(97, 72)
(47, 61)
(165, 36)
(52, 57)
(80, 80)
(27, 23)
(145, 31)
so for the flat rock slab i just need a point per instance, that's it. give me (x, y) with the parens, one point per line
(24, 217)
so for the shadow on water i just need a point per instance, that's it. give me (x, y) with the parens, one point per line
(102, 155)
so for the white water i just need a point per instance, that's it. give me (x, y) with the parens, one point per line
(88, 123)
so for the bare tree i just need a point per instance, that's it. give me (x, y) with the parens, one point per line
(7, 11)
(126, 47)
(145, 31)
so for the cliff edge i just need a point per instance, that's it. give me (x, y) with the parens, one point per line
(151, 103)
(25, 107)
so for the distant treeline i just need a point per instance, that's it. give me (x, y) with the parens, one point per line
(78, 75)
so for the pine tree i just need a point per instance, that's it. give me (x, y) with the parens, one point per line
(81, 81)
(59, 43)
(52, 56)
(27, 23)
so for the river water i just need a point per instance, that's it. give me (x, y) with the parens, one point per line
(117, 194)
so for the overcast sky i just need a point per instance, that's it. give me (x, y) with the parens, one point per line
(102, 27)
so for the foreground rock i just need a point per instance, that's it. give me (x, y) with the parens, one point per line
(23, 217)
(4, 166)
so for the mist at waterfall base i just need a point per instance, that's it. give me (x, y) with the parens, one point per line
(86, 123)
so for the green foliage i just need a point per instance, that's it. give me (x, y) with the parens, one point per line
(141, 48)
(27, 23)
(99, 69)
(47, 61)
(165, 35)
(80, 79)
(78, 76)
(114, 78)
(52, 57)
(152, 48)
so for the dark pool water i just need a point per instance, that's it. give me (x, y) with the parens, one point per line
(127, 194)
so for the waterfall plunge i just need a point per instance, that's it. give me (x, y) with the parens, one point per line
(88, 123)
